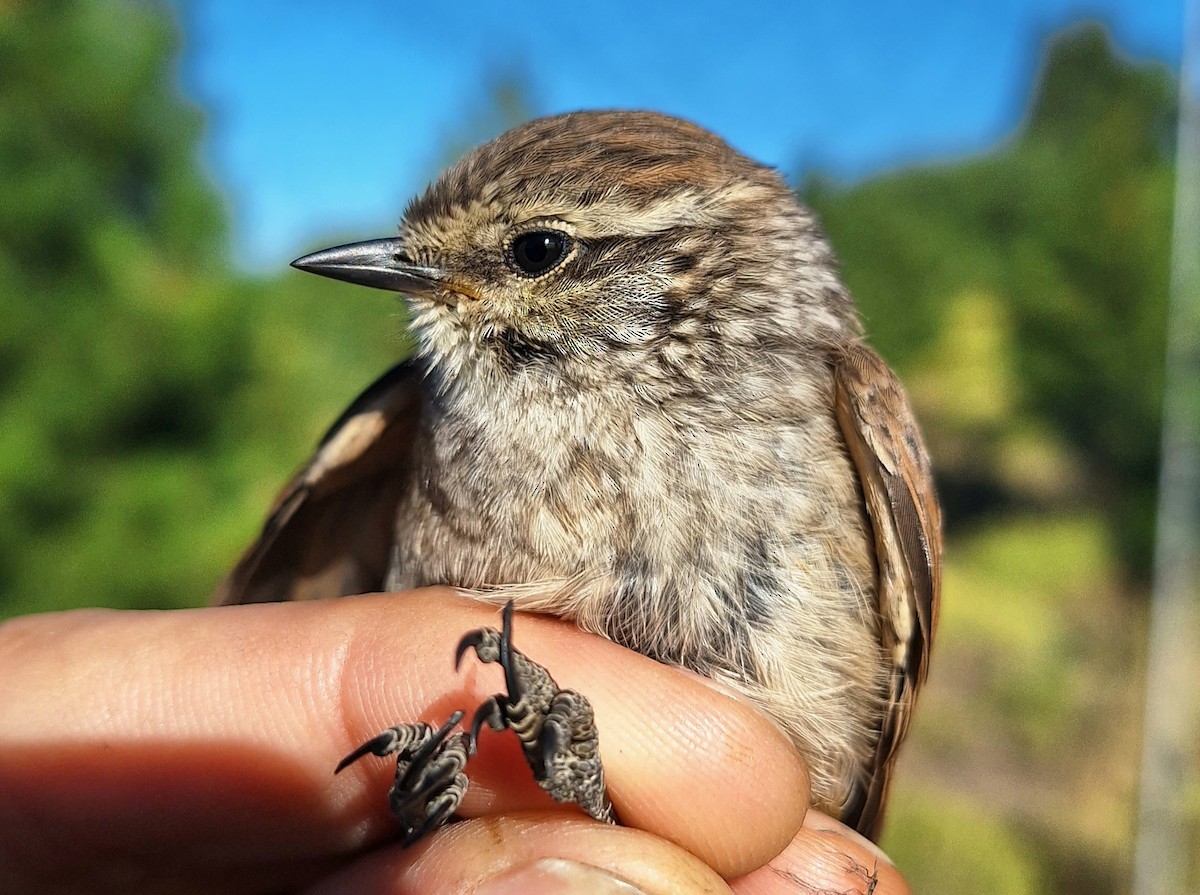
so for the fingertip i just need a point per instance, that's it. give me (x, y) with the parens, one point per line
(826, 856)
(684, 759)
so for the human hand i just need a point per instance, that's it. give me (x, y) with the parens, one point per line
(192, 751)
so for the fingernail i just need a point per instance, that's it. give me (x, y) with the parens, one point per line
(557, 876)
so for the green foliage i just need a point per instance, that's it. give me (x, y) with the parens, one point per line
(1068, 227)
(150, 396)
(110, 328)
(1023, 761)
(950, 845)
(97, 145)
(153, 398)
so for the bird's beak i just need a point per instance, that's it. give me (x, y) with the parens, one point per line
(376, 263)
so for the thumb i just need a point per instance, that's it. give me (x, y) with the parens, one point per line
(530, 854)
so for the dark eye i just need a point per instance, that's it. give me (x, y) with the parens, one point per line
(538, 251)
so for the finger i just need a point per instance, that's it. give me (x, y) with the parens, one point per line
(167, 750)
(682, 759)
(530, 854)
(826, 856)
(210, 735)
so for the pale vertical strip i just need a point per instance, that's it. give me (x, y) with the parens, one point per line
(1167, 854)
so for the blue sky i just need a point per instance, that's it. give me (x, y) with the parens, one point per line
(323, 122)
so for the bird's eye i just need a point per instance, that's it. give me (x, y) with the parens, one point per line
(538, 251)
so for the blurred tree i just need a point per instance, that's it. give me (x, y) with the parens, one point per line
(111, 293)
(1092, 276)
(153, 398)
(1062, 237)
(139, 377)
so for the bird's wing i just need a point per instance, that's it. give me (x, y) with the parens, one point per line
(330, 531)
(897, 483)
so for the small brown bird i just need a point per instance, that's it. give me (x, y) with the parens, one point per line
(641, 401)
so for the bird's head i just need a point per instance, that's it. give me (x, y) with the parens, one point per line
(576, 236)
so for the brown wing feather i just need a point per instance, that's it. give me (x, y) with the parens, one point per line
(897, 482)
(330, 531)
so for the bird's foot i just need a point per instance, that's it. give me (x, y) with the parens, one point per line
(430, 782)
(556, 727)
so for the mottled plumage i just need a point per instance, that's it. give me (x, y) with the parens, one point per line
(674, 437)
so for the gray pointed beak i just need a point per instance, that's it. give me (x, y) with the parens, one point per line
(376, 263)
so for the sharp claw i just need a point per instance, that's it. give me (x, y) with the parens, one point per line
(488, 713)
(442, 732)
(471, 640)
(506, 631)
(375, 746)
(448, 726)
(477, 722)
(510, 678)
(506, 619)
(350, 759)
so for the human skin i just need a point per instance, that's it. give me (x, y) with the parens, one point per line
(192, 751)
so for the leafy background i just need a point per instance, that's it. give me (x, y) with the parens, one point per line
(153, 396)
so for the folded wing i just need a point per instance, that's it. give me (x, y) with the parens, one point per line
(897, 482)
(330, 531)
